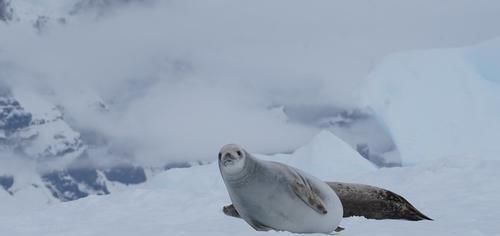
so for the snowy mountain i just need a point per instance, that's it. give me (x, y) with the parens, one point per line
(39, 134)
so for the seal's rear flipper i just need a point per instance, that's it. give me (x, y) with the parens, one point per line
(229, 210)
(374, 203)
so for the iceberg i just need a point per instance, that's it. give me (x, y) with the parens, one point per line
(440, 103)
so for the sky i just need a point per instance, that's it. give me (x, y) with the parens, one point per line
(179, 79)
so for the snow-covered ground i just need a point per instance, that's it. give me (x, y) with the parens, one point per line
(461, 196)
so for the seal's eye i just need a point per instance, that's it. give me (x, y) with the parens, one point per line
(220, 156)
(238, 152)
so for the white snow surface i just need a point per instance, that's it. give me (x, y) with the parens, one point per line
(461, 195)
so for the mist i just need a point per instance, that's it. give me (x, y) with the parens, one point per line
(176, 80)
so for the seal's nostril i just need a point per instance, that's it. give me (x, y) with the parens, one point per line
(238, 152)
(220, 156)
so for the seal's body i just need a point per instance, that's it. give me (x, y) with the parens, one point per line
(270, 195)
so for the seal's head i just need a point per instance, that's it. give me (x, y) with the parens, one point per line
(232, 158)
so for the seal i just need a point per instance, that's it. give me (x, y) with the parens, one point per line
(367, 201)
(274, 196)
(264, 189)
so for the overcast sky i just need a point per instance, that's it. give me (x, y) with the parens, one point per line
(181, 78)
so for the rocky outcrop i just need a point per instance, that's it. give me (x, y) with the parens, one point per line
(6, 11)
(6, 182)
(44, 137)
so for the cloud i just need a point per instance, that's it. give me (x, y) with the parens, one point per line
(182, 78)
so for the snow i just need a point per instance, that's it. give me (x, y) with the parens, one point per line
(314, 156)
(49, 135)
(463, 198)
(28, 191)
(40, 108)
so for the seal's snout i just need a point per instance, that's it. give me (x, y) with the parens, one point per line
(229, 158)
(231, 155)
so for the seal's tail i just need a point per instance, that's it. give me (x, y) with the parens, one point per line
(374, 203)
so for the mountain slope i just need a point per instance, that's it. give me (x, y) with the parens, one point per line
(47, 153)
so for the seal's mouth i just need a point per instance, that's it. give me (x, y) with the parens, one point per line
(228, 162)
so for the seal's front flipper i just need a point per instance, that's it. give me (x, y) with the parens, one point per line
(338, 229)
(304, 191)
(229, 210)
